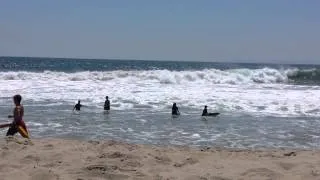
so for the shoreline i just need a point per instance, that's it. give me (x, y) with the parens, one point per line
(53, 158)
(194, 147)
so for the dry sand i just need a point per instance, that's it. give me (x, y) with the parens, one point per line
(52, 159)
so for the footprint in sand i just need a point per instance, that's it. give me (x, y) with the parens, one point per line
(115, 155)
(158, 177)
(30, 159)
(261, 174)
(48, 147)
(44, 174)
(162, 159)
(8, 167)
(132, 163)
(126, 159)
(286, 166)
(207, 178)
(186, 162)
(104, 171)
(105, 176)
(101, 168)
(4, 153)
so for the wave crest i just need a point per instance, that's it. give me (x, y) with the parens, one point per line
(211, 76)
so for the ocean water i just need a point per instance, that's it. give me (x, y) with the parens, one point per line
(261, 105)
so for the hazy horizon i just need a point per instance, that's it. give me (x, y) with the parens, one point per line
(163, 60)
(277, 32)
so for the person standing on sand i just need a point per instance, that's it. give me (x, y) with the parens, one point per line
(17, 124)
(107, 104)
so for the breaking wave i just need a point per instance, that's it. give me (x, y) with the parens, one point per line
(211, 76)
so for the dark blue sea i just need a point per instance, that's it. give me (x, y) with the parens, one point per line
(261, 105)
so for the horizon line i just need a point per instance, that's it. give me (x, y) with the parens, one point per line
(192, 61)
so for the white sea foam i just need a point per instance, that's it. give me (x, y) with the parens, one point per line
(260, 91)
(212, 76)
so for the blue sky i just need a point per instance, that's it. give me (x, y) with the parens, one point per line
(284, 31)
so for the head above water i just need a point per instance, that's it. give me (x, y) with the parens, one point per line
(78, 101)
(205, 106)
(17, 99)
(107, 97)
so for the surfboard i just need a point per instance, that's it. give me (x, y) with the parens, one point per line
(5, 125)
(212, 114)
(23, 132)
(209, 115)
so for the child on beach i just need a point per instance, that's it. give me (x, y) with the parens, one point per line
(18, 124)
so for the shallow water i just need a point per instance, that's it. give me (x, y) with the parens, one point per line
(158, 127)
(259, 106)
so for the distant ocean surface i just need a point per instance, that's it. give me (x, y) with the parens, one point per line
(261, 105)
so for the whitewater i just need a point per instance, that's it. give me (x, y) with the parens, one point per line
(260, 107)
(262, 91)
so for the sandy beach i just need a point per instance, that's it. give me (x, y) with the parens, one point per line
(53, 159)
